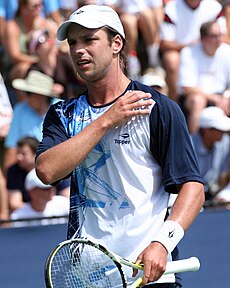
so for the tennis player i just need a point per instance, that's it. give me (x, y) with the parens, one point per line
(126, 147)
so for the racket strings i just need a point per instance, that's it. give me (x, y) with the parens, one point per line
(83, 266)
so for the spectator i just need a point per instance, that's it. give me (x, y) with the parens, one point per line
(7, 11)
(29, 114)
(81, 3)
(212, 147)
(67, 7)
(52, 10)
(6, 111)
(180, 28)
(223, 196)
(6, 114)
(150, 78)
(27, 19)
(204, 74)
(16, 174)
(226, 8)
(43, 203)
(144, 17)
(49, 9)
(4, 205)
(55, 63)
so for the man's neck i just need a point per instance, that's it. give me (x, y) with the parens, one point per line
(107, 90)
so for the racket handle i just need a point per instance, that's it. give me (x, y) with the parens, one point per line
(136, 283)
(185, 265)
(179, 266)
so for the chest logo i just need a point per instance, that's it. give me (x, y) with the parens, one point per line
(123, 139)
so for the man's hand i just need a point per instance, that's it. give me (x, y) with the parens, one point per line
(132, 104)
(154, 259)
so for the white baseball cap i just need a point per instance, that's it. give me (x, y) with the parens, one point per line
(92, 17)
(214, 117)
(32, 181)
(153, 80)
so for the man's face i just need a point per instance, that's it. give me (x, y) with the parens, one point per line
(25, 157)
(213, 39)
(91, 52)
(41, 195)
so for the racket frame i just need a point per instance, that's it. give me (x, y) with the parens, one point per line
(184, 265)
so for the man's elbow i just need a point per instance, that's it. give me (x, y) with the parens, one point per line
(201, 195)
(42, 170)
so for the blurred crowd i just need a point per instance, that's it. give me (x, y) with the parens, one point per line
(181, 48)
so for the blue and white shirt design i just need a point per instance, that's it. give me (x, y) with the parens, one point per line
(119, 192)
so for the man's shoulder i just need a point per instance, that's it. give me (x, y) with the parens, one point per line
(162, 102)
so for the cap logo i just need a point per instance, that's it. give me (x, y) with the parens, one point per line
(78, 12)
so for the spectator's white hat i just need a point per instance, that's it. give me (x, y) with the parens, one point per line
(39, 83)
(32, 181)
(151, 79)
(92, 17)
(214, 117)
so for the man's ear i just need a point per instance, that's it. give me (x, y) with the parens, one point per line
(117, 44)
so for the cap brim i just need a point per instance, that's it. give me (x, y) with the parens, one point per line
(62, 32)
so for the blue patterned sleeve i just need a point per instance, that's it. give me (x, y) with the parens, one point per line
(54, 132)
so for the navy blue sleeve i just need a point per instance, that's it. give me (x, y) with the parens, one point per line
(54, 132)
(171, 145)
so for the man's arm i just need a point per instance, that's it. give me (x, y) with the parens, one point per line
(15, 199)
(60, 160)
(4, 208)
(188, 204)
(170, 45)
(184, 211)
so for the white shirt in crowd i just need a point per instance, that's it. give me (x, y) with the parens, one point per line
(58, 206)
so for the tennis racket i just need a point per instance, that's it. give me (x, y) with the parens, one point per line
(82, 263)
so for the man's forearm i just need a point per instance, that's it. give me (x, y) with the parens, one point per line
(187, 204)
(59, 161)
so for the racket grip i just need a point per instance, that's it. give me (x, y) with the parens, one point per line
(136, 283)
(185, 265)
(179, 266)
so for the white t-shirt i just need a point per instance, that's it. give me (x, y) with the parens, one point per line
(58, 206)
(224, 194)
(182, 24)
(209, 73)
